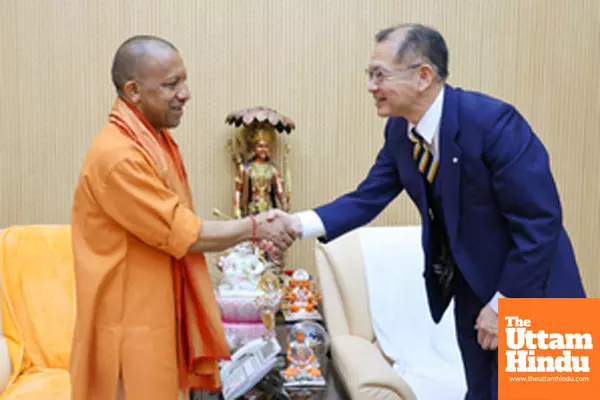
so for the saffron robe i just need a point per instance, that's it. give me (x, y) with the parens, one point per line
(131, 228)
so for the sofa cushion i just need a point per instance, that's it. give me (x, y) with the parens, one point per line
(426, 355)
(38, 305)
(37, 384)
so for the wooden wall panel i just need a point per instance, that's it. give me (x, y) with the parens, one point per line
(305, 59)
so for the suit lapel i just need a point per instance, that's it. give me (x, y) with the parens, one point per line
(450, 158)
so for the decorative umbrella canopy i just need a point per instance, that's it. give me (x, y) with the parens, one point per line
(257, 116)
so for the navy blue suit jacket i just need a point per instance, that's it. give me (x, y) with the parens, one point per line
(501, 206)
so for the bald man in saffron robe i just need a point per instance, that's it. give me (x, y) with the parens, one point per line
(148, 326)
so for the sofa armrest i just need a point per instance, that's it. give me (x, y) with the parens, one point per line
(364, 371)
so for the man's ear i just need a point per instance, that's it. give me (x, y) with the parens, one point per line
(132, 91)
(426, 75)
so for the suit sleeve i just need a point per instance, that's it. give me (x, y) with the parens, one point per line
(359, 207)
(137, 199)
(528, 198)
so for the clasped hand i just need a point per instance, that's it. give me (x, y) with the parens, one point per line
(276, 231)
(487, 328)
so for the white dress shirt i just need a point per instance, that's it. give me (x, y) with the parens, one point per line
(429, 128)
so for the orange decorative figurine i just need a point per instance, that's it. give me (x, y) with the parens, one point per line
(302, 298)
(304, 368)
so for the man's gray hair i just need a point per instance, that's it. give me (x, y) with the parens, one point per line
(420, 41)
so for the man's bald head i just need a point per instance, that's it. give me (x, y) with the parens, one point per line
(134, 54)
(149, 75)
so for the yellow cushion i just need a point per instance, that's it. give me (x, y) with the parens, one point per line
(38, 306)
(47, 384)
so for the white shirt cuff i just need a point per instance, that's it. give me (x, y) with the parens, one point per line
(312, 226)
(494, 301)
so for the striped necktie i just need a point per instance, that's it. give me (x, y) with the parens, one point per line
(422, 154)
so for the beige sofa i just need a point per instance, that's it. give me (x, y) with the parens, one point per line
(383, 342)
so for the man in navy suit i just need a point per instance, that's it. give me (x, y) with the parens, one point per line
(491, 214)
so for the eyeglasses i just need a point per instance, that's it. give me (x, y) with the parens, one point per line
(379, 75)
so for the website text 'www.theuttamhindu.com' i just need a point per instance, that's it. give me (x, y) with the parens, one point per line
(549, 378)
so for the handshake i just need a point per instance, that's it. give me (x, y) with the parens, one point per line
(276, 231)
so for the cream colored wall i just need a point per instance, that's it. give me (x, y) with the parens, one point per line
(306, 59)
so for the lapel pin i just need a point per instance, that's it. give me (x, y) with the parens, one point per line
(454, 160)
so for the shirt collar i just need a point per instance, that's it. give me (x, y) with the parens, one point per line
(429, 124)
